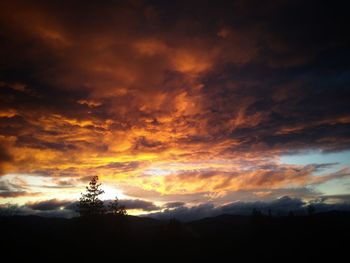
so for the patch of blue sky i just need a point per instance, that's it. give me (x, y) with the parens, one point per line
(342, 160)
(316, 157)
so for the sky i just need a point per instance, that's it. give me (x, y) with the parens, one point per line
(175, 105)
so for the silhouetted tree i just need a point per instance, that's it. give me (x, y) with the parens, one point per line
(89, 203)
(115, 208)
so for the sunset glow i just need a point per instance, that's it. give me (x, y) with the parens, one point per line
(171, 105)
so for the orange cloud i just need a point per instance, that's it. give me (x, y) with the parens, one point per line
(187, 108)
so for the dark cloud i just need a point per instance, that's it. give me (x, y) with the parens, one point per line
(341, 199)
(145, 144)
(5, 156)
(14, 210)
(187, 213)
(174, 204)
(13, 190)
(277, 207)
(122, 166)
(55, 204)
(67, 208)
(52, 204)
(12, 194)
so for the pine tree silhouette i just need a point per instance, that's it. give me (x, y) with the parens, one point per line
(89, 203)
(117, 209)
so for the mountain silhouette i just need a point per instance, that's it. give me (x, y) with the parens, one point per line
(225, 236)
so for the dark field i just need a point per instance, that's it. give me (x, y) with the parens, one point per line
(229, 237)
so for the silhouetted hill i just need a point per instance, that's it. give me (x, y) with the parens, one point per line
(235, 237)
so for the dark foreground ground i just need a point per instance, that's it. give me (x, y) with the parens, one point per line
(233, 238)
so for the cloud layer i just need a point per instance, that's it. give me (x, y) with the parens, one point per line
(187, 101)
(178, 210)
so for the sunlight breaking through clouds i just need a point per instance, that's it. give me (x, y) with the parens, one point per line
(169, 106)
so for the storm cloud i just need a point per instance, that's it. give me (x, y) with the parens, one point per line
(182, 101)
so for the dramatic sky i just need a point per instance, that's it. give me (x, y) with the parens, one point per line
(174, 104)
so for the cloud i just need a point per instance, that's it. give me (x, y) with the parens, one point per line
(187, 213)
(172, 105)
(277, 207)
(52, 204)
(15, 188)
(14, 210)
(174, 204)
(12, 194)
(68, 208)
(255, 177)
(336, 198)
(138, 204)
(55, 204)
(5, 156)
(122, 166)
(280, 206)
